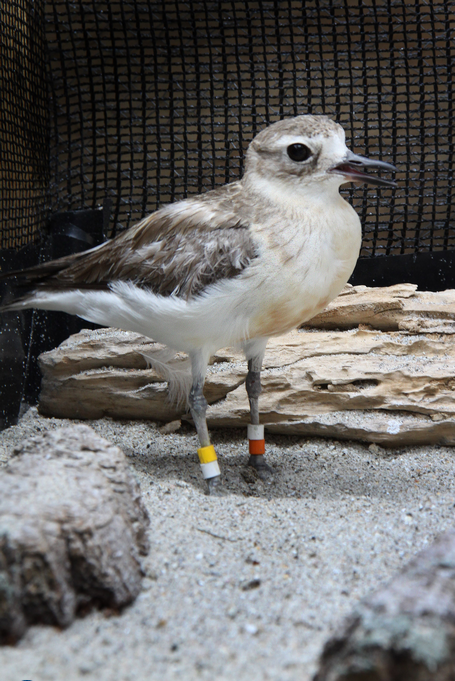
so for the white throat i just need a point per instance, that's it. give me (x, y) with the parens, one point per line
(292, 195)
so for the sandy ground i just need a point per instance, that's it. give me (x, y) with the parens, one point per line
(247, 586)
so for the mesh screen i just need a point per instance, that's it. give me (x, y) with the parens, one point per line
(24, 143)
(151, 101)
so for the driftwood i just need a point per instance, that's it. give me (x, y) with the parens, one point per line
(392, 308)
(406, 630)
(72, 529)
(392, 386)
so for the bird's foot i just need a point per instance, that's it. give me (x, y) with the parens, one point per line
(262, 468)
(215, 488)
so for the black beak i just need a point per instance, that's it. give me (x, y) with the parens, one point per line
(354, 168)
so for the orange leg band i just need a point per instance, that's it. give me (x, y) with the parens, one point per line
(256, 446)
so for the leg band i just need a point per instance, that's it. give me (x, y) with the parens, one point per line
(206, 454)
(256, 440)
(210, 470)
(257, 446)
(255, 432)
(208, 461)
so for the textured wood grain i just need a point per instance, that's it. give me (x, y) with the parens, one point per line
(391, 386)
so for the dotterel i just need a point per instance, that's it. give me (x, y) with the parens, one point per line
(236, 265)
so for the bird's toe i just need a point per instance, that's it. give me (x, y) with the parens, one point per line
(215, 488)
(261, 467)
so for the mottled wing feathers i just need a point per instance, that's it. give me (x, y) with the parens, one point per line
(217, 209)
(180, 250)
(186, 264)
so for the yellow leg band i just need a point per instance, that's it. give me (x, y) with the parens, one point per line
(206, 454)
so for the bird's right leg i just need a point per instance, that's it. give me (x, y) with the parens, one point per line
(255, 430)
(254, 351)
(198, 407)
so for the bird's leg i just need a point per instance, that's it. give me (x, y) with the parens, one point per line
(198, 408)
(256, 439)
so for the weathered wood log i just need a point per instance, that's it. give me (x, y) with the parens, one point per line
(406, 630)
(392, 308)
(72, 529)
(393, 388)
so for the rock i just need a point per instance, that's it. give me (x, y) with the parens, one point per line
(404, 631)
(390, 387)
(171, 427)
(72, 529)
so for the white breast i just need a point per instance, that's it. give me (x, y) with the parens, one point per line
(307, 261)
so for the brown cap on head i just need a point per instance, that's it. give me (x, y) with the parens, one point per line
(306, 125)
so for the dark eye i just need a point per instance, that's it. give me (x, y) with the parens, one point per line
(298, 152)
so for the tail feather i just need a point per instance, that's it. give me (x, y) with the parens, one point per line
(26, 284)
(22, 303)
(40, 273)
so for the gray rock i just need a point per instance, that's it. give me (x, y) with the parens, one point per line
(406, 630)
(72, 529)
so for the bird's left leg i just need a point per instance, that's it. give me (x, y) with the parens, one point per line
(198, 408)
(256, 441)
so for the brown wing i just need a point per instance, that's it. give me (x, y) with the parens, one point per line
(178, 250)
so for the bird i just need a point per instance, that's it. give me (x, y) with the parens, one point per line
(235, 265)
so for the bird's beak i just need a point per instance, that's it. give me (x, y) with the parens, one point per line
(354, 168)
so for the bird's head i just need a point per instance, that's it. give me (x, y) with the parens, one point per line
(306, 151)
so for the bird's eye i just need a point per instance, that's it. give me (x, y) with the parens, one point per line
(298, 152)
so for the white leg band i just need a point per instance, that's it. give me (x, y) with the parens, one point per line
(210, 470)
(255, 432)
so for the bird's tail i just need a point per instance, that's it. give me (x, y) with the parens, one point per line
(22, 303)
(23, 285)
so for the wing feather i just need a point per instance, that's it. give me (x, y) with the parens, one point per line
(178, 250)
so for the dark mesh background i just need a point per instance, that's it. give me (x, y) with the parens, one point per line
(152, 101)
(24, 143)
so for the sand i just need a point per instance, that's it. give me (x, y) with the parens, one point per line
(248, 586)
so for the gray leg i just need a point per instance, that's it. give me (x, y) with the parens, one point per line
(253, 389)
(256, 446)
(198, 408)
